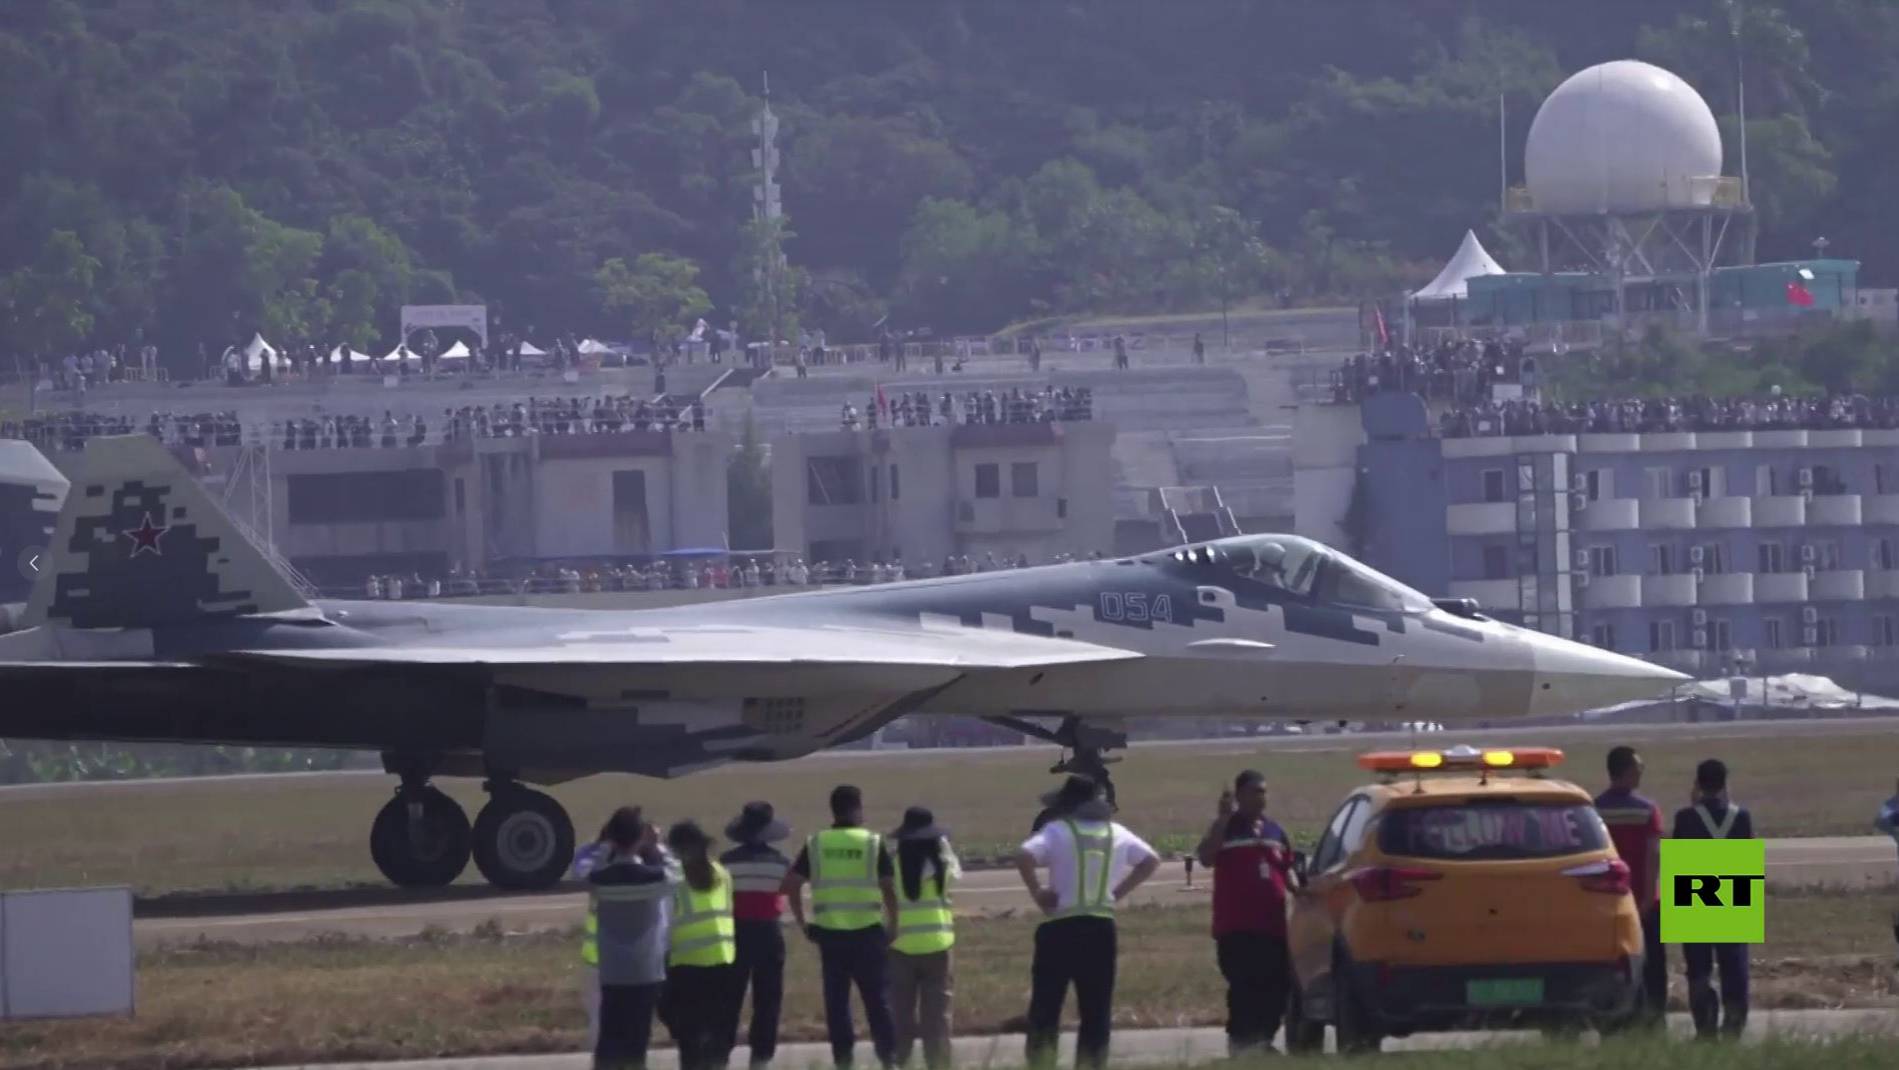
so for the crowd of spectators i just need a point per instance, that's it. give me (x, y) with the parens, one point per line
(1456, 371)
(1660, 415)
(1049, 404)
(738, 572)
(68, 431)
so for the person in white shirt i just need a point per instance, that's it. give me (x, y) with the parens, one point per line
(1093, 863)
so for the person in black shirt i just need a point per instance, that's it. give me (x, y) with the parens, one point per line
(1713, 817)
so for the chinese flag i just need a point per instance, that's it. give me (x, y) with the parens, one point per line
(1798, 294)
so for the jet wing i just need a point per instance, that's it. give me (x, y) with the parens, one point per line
(957, 650)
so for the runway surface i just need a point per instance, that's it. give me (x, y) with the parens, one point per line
(1852, 861)
(1153, 1047)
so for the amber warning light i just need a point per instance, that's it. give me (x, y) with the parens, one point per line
(1462, 757)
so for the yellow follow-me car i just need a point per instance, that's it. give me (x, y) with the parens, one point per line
(1465, 889)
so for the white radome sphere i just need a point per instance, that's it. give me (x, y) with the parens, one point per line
(1625, 136)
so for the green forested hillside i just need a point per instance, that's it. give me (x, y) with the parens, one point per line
(201, 168)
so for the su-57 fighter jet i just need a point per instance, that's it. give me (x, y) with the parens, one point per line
(158, 621)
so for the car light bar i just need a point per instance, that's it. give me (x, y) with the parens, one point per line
(1460, 757)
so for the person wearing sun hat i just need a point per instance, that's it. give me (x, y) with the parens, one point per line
(1093, 863)
(920, 974)
(758, 871)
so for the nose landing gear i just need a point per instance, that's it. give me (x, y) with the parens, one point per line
(1083, 746)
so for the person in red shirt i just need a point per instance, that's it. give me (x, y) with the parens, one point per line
(758, 869)
(1635, 826)
(1251, 863)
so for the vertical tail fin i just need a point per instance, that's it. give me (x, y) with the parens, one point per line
(139, 544)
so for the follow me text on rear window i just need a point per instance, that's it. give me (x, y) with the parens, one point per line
(1501, 830)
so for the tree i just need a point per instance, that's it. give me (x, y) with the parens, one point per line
(658, 295)
(48, 304)
(1229, 258)
(963, 267)
(748, 492)
(768, 287)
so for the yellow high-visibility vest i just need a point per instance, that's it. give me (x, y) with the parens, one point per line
(590, 937)
(925, 924)
(845, 894)
(703, 933)
(1094, 857)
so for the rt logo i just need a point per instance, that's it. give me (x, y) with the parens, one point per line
(1714, 891)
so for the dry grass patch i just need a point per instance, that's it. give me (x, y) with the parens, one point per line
(258, 834)
(331, 999)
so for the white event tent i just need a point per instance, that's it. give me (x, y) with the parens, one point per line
(1436, 303)
(1453, 283)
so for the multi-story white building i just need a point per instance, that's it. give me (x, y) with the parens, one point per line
(919, 494)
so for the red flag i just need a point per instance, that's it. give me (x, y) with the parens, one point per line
(1798, 294)
(882, 405)
(1378, 316)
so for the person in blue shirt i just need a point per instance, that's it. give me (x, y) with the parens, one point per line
(1888, 823)
(1712, 816)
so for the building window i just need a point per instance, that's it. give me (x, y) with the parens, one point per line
(1713, 560)
(1882, 479)
(1883, 557)
(988, 481)
(1885, 631)
(1661, 636)
(1770, 633)
(1826, 480)
(1592, 484)
(1720, 635)
(833, 481)
(1827, 632)
(1496, 562)
(1766, 481)
(1661, 560)
(1493, 485)
(1602, 560)
(1773, 557)
(1703, 482)
(1661, 482)
(461, 497)
(1022, 481)
(896, 488)
(1603, 635)
(1826, 555)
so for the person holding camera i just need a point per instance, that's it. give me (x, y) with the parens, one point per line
(1252, 865)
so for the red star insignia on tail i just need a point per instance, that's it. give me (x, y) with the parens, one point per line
(145, 537)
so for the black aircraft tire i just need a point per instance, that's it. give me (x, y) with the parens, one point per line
(523, 841)
(438, 859)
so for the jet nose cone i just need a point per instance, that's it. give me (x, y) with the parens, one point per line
(1569, 677)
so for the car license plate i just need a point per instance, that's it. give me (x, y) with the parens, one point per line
(1504, 992)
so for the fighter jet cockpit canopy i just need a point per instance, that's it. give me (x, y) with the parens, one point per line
(1300, 567)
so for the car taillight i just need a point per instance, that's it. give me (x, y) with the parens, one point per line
(1609, 876)
(1378, 884)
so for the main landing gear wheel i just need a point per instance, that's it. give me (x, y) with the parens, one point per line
(523, 839)
(420, 838)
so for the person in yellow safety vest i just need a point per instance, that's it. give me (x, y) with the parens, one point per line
(701, 951)
(920, 974)
(588, 858)
(630, 898)
(854, 911)
(1093, 863)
